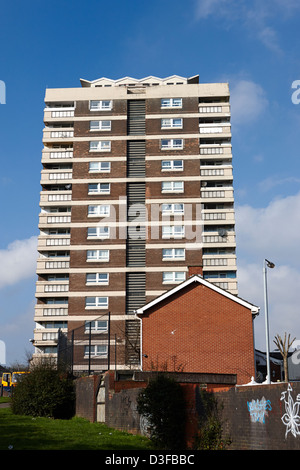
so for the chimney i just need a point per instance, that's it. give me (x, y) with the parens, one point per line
(195, 270)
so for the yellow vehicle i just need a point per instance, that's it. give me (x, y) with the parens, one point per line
(10, 380)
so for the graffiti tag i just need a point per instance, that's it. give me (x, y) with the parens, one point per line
(258, 409)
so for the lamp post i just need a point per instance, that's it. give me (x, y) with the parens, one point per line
(271, 265)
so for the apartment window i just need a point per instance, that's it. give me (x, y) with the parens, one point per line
(171, 103)
(98, 232)
(96, 167)
(172, 231)
(96, 302)
(97, 278)
(216, 275)
(100, 146)
(171, 144)
(173, 254)
(171, 123)
(98, 350)
(172, 209)
(100, 125)
(99, 188)
(171, 277)
(97, 326)
(56, 301)
(172, 186)
(97, 255)
(100, 105)
(99, 211)
(172, 165)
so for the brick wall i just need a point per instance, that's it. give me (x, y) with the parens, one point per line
(199, 330)
(256, 417)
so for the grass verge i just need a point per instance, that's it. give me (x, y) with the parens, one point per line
(27, 433)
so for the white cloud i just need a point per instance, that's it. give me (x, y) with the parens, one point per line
(271, 233)
(254, 15)
(18, 261)
(272, 181)
(248, 101)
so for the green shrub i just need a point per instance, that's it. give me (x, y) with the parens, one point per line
(162, 404)
(210, 433)
(45, 392)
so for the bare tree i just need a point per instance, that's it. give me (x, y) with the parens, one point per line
(284, 346)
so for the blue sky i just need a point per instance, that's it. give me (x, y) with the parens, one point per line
(251, 44)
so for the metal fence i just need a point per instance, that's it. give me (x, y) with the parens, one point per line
(87, 348)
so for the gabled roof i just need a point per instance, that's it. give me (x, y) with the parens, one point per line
(198, 279)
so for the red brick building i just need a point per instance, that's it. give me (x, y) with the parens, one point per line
(199, 327)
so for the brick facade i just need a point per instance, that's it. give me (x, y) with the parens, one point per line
(199, 329)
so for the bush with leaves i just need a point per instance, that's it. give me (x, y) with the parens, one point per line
(210, 433)
(46, 392)
(162, 404)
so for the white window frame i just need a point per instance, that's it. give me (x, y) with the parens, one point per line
(97, 278)
(101, 125)
(99, 210)
(97, 351)
(97, 257)
(100, 105)
(101, 232)
(171, 123)
(171, 165)
(170, 209)
(171, 103)
(99, 167)
(96, 302)
(173, 277)
(172, 187)
(96, 326)
(173, 231)
(173, 254)
(100, 146)
(171, 144)
(100, 188)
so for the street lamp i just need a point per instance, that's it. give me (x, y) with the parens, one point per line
(271, 265)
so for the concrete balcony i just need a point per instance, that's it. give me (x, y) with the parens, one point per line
(59, 241)
(58, 288)
(51, 312)
(215, 129)
(57, 114)
(215, 194)
(56, 176)
(214, 240)
(215, 108)
(56, 155)
(51, 265)
(48, 220)
(61, 134)
(57, 197)
(218, 172)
